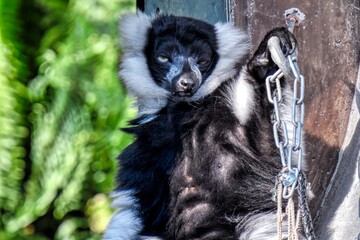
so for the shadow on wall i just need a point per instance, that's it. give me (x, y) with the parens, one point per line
(338, 215)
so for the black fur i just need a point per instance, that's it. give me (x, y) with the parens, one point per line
(196, 171)
(224, 168)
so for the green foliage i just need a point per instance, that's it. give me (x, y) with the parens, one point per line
(62, 105)
(13, 99)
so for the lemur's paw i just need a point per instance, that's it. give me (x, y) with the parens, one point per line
(261, 64)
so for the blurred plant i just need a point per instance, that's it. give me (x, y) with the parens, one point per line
(59, 132)
(13, 100)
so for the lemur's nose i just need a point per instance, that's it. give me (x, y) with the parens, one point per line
(186, 85)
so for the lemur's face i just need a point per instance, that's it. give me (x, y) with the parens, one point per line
(167, 58)
(181, 63)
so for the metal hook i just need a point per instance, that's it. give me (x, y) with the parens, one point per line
(279, 58)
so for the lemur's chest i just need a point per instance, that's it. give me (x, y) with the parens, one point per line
(206, 157)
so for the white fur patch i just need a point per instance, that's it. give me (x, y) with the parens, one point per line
(233, 46)
(133, 30)
(125, 224)
(240, 96)
(134, 70)
(262, 226)
(136, 76)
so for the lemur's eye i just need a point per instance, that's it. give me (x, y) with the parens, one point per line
(203, 62)
(163, 59)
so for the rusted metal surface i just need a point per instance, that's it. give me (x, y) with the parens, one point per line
(328, 58)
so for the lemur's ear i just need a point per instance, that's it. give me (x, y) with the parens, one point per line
(133, 31)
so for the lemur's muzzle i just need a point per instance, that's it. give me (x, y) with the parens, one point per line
(186, 85)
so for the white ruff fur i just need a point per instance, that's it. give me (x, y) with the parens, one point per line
(233, 46)
(125, 224)
(134, 71)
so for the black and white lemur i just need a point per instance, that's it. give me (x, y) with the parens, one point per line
(203, 163)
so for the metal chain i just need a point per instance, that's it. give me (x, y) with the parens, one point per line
(291, 176)
(288, 147)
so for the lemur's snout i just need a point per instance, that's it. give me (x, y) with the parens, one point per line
(186, 86)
